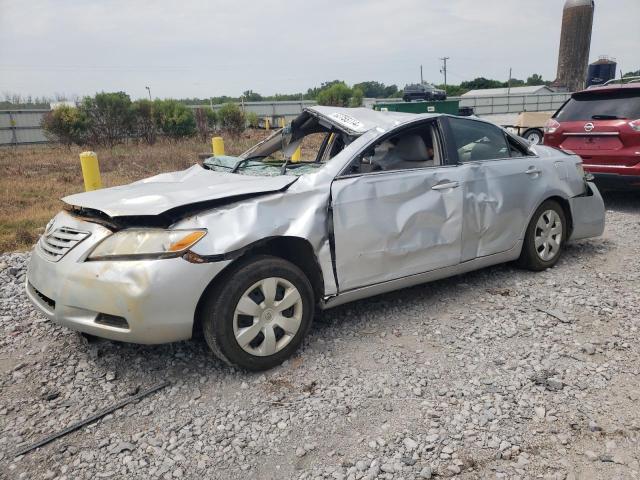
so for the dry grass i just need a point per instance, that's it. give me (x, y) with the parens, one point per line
(34, 178)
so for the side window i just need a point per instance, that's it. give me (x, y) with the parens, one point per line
(515, 148)
(413, 147)
(476, 140)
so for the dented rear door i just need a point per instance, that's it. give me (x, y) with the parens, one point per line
(499, 197)
(389, 225)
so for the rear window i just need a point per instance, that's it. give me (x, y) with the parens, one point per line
(609, 105)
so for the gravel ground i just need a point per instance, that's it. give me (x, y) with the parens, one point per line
(499, 373)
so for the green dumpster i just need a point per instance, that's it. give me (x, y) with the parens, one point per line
(443, 106)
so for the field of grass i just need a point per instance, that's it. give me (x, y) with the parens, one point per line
(34, 178)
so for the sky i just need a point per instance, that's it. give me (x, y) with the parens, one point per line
(204, 48)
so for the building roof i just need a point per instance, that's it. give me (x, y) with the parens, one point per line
(492, 92)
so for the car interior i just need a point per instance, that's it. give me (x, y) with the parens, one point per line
(416, 147)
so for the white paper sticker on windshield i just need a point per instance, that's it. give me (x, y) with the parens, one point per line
(348, 121)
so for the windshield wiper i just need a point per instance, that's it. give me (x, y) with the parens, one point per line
(606, 117)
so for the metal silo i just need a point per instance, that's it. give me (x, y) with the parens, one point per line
(601, 71)
(575, 42)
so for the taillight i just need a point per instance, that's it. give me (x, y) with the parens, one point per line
(551, 126)
(635, 125)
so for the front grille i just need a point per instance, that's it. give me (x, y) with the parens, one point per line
(50, 302)
(56, 244)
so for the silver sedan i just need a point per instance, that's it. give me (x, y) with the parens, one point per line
(245, 248)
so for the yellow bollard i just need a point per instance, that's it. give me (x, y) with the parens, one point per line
(295, 158)
(266, 124)
(90, 171)
(282, 122)
(217, 146)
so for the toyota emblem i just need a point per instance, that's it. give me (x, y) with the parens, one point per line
(588, 127)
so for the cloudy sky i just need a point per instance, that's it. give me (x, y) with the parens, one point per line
(206, 48)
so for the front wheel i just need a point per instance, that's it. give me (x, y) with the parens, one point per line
(259, 314)
(545, 237)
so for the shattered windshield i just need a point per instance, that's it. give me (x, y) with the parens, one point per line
(261, 168)
(304, 146)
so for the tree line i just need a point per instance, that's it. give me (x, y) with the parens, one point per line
(109, 118)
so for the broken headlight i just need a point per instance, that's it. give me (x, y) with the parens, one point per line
(146, 243)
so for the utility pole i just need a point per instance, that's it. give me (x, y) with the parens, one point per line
(444, 71)
(421, 78)
(149, 90)
(509, 83)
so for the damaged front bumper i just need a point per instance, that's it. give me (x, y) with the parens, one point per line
(139, 301)
(588, 213)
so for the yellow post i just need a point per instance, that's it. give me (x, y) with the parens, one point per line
(217, 146)
(266, 124)
(281, 122)
(90, 171)
(296, 155)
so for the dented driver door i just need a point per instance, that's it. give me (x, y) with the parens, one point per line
(389, 225)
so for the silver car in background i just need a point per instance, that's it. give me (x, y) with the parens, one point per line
(245, 248)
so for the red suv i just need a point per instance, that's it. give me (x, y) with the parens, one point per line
(602, 125)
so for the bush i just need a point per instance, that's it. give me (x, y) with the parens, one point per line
(143, 125)
(205, 121)
(110, 117)
(173, 119)
(340, 95)
(65, 124)
(252, 119)
(231, 118)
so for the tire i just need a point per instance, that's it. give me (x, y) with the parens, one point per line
(534, 136)
(542, 249)
(244, 308)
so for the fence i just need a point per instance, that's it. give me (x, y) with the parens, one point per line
(18, 127)
(21, 127)
(513, 103)
(274, 111)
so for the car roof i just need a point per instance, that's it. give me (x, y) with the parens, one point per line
(614, 87)
(357, 121)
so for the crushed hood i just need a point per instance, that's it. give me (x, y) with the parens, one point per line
(156, 195)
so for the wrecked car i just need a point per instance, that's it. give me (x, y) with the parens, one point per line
(245, 249)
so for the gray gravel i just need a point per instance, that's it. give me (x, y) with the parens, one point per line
(500, 373)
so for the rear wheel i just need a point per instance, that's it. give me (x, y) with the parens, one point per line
(545, 237)
(259, 315)
(534, 136)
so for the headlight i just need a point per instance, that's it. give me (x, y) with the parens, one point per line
(580, 169)
(146, 243)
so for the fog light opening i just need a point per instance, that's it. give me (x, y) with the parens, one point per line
(112, 321)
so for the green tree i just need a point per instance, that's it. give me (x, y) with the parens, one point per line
(251, 96)
(252, 119)
(356, 97)
(481, 83)
(173, 119)
(67, 125)
(337, 95)
(535, 79)
(232, 119)
(109, 116)
(633, 74)
(144, 126)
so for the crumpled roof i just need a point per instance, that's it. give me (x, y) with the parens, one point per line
(361, 120)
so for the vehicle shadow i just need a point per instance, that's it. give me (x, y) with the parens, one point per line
(622, 201)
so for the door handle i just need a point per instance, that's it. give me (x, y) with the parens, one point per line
(533, 171)
(445, 186)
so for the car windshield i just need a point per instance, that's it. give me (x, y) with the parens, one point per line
(603, 106)
(302, 147)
